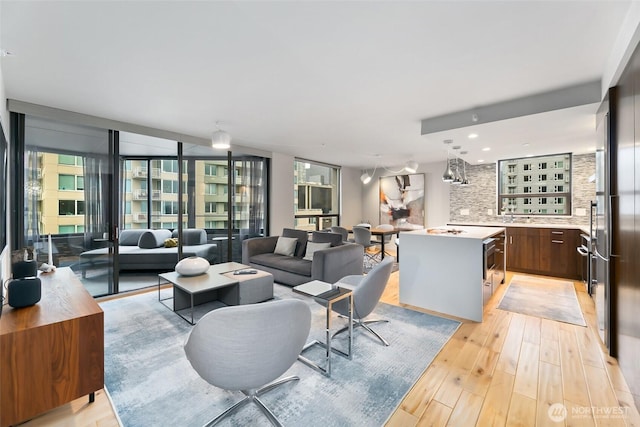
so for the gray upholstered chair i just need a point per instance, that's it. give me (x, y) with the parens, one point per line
(362, 236)
(342, 231)
(367, 291)
(245, 347)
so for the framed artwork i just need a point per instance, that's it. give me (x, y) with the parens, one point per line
(402, 200)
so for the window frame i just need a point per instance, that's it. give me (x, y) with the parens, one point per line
(536, 166)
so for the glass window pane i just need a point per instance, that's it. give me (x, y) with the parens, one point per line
(64, 159)
(66, 182)
(66, 207)
(515, 180)
(66, 229)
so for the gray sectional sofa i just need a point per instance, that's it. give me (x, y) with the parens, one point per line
(329, 265)
(145, 250)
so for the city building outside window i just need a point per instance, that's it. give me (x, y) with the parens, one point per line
(517, 196)
(316, 190)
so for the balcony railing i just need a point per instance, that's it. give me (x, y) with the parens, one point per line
(143, 173)
(140, 217)
(143, 194)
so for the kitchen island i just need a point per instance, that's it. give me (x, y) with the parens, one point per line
(443, 269)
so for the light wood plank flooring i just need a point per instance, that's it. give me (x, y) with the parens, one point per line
(505, 371)
(511, 368)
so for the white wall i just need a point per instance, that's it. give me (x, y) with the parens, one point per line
(351, 203)
(436, 195)
(281, 195)
(623, 48)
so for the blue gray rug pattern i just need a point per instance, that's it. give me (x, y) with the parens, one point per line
(152, 383)
(546, 298)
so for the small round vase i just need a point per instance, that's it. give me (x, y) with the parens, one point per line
(192, 266)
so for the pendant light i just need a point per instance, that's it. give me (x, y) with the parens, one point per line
(220, 139)
(447, 176)
(465, 181)
(457, 179)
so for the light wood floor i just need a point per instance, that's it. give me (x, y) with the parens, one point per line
(509, 369)
(505, 371)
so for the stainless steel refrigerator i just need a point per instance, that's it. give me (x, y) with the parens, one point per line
(602, 217)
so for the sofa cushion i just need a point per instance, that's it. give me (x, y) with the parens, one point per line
(302, 237)
(285, 263)
(171, 242)
(335, 239)
(312, 247)
(192, 236)
(153, 239)
(130, 237)
(285, 246)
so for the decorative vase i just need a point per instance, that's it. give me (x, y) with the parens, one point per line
(192, 266)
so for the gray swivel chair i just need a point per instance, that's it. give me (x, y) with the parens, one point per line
(341, 230)
(362, 236)
(367, 291)
(245, 347)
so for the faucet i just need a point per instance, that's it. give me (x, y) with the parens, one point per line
(511, 217)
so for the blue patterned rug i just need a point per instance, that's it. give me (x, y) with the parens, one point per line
(152, 383)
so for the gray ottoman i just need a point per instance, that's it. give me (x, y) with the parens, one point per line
(251, 288)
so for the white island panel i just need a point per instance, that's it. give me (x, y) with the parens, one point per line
(443, 272)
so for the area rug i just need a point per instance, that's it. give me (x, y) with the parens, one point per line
(546, 298)
(152, 383)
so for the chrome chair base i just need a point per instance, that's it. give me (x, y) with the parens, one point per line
(253, 396)
(363, 324)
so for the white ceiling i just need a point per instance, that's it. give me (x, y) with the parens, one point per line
(340, 82)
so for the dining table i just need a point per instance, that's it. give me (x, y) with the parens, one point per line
(383, 232)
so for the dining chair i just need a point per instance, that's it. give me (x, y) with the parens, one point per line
(341, 230)
(362, 236)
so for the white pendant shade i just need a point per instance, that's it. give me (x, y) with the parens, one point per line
(411, 166)
(220, 140)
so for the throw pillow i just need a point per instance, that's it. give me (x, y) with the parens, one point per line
(312, 247)
(286, 246)
(171, 243)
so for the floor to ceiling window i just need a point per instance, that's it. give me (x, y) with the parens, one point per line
(67, 177)
(316, 195)
(84, 186)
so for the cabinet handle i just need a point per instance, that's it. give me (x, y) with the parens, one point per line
(557, 241)
(511, 240)
(557, 232)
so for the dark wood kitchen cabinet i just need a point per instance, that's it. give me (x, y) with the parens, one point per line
(544, 251)
(523, 249)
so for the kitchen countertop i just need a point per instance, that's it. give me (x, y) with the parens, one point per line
(584, 228)
(472, 232)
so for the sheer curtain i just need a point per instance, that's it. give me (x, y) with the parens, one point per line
(96, 197)
(252, 177)
(33, 192)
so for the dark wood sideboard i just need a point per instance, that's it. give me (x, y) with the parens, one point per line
(50, 353)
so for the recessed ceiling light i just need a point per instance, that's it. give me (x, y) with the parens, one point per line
(486, 149)
(480, 161)
(526, 144)
(473, 135)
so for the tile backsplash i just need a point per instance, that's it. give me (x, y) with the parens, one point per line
(473, 203)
